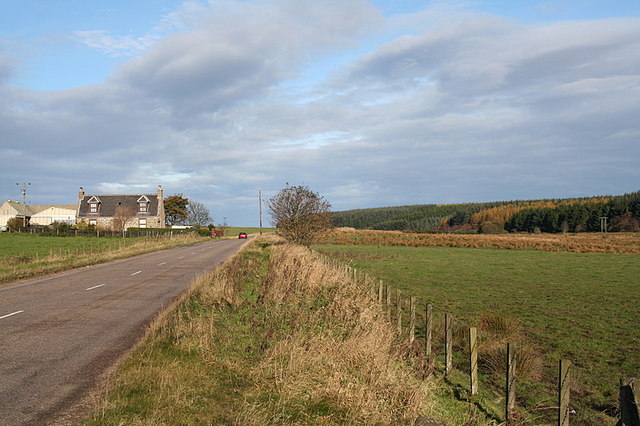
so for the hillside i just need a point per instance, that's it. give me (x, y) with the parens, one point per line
(622, 213)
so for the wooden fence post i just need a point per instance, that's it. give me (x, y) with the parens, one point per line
(629, 389)
(564, 389)
(448, 345)
(399, 310)
(412, 320)
(428, 330)
(380, 290)
(389, 302)
(510, 400)
(473, 359)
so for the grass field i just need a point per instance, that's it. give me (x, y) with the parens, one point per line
(583, 307)
(27, 255)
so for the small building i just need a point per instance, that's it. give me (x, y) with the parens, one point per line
(10, 209)
(121, 211)
(47, 214)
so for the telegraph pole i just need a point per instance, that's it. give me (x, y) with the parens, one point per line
(603, 224)
(260, 208)
(23, 188)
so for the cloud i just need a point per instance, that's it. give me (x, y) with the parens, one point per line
(462, 106)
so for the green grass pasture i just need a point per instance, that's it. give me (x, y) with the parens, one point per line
(231, 231)
(34, 245)
(582, 307)
(29, 255)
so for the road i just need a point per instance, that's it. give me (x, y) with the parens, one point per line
(60, 334)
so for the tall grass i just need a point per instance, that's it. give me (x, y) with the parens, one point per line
(274, 336)
(619, 243)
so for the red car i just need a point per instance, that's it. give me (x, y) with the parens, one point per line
(242, 235)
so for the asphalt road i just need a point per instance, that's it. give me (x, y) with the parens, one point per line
(60, 334)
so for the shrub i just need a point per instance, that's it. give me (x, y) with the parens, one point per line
(491, 228)
(15, 223)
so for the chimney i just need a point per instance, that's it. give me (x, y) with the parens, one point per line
(161, 214)
(81, 194)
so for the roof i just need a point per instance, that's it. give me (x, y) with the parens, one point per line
(109, 204)
(19, 207)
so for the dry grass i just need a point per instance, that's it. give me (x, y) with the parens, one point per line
(340, 355)
(496, 330)
(274, 336)
(620, 243)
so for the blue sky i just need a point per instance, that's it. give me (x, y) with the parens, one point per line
(370, 103)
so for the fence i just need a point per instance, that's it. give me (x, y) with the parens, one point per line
(452, 347)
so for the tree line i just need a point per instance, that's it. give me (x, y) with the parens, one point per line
(622, 213)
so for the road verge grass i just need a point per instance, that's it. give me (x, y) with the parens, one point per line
(274, 336)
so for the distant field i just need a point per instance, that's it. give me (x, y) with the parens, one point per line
(235, 230)
(618, 242)
(583, 307)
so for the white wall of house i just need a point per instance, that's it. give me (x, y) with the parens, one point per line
(54, 214)
(9, 210)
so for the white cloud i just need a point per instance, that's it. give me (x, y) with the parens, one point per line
(471, 107)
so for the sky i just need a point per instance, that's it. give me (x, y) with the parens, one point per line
(369, 103)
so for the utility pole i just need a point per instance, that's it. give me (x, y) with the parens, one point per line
(23, 188)
(603, 224)
(260, 208)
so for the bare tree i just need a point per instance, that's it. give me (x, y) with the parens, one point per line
(121, 216)
(198, 214)
(299, 214)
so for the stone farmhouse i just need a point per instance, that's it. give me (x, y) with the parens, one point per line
(44, 214)
(131, 211)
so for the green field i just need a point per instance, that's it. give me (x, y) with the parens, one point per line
(582, 307)
(29, 255)
(32, 245)
(231, 231)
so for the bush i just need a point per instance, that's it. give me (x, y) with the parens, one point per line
(60, 226)
(491, 228)
(15, 223)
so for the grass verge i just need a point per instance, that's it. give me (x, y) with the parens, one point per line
(275, 336)
(31, 255)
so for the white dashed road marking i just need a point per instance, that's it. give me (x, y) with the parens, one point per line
(160, 264)
(11, 314)
(136, 273)
(95, 286)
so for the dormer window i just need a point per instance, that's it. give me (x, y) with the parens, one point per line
(94, 204)
(143, 204)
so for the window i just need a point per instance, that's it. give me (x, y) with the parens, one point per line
(93, 222)
(142, 223)
(94, 204)
(143, 204)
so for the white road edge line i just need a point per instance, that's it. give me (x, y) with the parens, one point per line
(136, 273)
(160, 264)
(11, 314)
(95, 286)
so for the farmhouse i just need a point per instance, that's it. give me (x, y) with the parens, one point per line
(121, 211)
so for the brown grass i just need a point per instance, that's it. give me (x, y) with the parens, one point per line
(620, 243)
(296, 340)
(340, 352)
